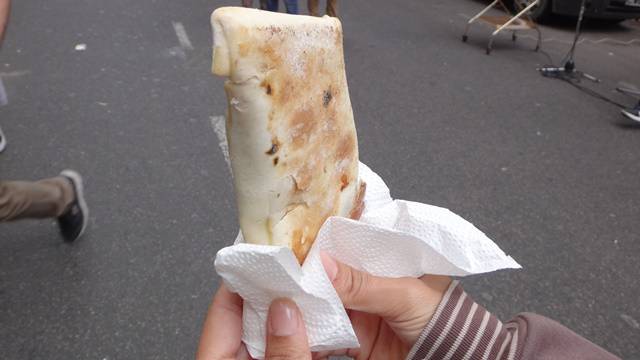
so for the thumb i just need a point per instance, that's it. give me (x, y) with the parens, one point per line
(406, 304)
(287, 337)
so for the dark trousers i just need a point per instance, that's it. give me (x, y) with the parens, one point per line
(249, 3)
(291, 5)
(332, 8)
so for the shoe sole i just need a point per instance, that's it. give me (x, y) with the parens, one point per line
(3, 141)
(78, 185)
(631, 116)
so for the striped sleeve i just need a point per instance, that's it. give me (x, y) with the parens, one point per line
(462, 329)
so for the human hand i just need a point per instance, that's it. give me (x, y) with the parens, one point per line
(387, 314)
(222, 332)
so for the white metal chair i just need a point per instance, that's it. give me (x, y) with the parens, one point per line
(510, 22)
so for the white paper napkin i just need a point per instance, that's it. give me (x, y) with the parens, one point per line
(393, 238)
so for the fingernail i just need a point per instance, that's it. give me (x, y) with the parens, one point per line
(330, 265)
(283, 319)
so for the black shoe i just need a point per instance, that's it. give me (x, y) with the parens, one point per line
(74, 221)
(3, 141)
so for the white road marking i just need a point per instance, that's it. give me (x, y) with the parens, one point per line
(176, 51)
(630, 321)
(181, 33)
(4, 100)
(16, 73)
(81, 47)
(218, 126)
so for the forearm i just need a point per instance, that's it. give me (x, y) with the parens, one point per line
(462, 329)
(5, 6)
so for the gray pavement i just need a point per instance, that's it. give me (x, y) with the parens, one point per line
(548, 172)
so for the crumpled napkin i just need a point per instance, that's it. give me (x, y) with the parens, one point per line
(393, 238)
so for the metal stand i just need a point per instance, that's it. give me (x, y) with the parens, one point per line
(509, 23)
(569, 68)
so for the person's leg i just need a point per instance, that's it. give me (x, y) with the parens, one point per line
(37, 199)
(263, 4)
(247, 3)
(332, 8)
(313, 7)
(5, 8)
(61, 197)
(272, 5)
(292, 6)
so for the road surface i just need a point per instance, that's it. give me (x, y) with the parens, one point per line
(122, 92)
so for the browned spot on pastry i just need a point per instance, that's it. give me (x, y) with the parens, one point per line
(302, 178)
(265, 84)
(243, 48)
(302, 124)
(358, 202)
(273, 56)
(346, 147)
(344, 181)
(275, 161)
(283, 88)
(297, 246)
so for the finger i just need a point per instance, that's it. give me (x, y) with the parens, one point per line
(287, 337)
(406, 304)
(361, 291)
(243, 353)
(366, 327)
(222, 330)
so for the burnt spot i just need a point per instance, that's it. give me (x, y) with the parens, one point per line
(326, 97)
(273, 150)
(275, 161)
(267, 86)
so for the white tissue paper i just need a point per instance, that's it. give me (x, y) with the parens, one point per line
(393, 238)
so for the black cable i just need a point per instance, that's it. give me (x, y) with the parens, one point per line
(549, 58)
(594, 93)
(571, 80)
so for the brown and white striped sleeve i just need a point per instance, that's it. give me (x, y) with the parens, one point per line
(462, 329)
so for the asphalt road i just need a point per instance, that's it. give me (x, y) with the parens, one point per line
(548, 172)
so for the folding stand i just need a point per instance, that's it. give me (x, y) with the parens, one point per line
(508, 22)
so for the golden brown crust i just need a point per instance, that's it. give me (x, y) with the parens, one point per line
(295, 65)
